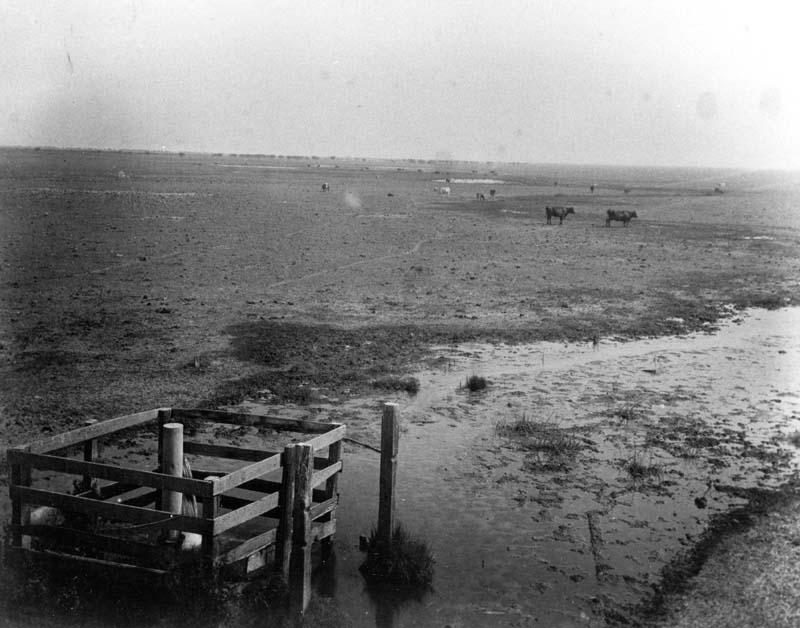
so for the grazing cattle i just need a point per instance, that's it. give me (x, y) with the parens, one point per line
(492, 192)
(591, 188)
(622, 215)
(444, 190)
(480, 196)
(559, 212)
(326, 187)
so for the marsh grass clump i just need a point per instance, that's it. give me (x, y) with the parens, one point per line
(393, 382)
(641, 471)
(476, 382)
(552, 446)
(408, 561)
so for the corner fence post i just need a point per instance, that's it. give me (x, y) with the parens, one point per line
(172, 464)
(300, 561)
(390, 437)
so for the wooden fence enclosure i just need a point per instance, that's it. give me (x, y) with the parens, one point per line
(256, 509)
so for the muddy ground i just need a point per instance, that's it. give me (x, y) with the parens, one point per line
(213, 280)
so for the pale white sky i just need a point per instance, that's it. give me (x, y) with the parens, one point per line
(686, 82)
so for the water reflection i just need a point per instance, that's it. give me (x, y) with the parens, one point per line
(390, 600)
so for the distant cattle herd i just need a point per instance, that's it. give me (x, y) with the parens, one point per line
(551, 211)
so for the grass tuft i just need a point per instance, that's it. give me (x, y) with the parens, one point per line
(553, 447)
(407, 562)
(476, 383)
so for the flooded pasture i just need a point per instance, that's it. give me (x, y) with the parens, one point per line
(663, 434)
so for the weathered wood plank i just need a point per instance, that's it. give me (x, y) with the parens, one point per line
(321, 531)
(300, 562)
(238, 418)
(111, 472)
(331, 493)
(250, 472)
(234, 503)
(111, 491)
(283, 548)
(248, 547)
(77, 436)
(240, 515)
(321, 476)
(390, 437)
(101, 542)
(335, 434)
(112, 511)
(268, 486)
(226, 451)
(117, 569)
(329, 505)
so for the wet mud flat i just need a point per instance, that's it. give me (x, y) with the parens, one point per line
(631, 450)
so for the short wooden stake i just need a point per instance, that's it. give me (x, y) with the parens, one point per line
(390, 438)
(89, 454)
(300, 561)
(172, 464)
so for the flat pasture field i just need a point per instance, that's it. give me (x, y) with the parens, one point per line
(135, 280)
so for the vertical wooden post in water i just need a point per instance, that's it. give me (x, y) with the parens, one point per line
(390, 438)
(300, 561)
(283, 550)
(172, 464)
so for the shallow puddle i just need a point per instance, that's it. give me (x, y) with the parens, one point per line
(663, 431)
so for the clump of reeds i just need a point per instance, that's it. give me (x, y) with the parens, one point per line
(476, 382)
(407, 561)
(552, 445)
(393, 382)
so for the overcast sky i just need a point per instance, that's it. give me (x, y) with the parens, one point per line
(632, 82)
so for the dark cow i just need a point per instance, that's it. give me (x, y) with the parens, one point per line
(326, 187)
(559, 212)
(622, 215)
(480, 196)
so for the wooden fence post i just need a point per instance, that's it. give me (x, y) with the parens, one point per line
(20, 476)
(300, 561)
(172, 464)
(283, 549)
(331, 491)
(210, 509)
(390, 438)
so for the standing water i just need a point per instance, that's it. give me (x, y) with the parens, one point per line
(637, 444)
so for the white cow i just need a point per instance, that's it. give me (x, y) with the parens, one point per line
(444, 190)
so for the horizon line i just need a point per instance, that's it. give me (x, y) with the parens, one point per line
(313, 157)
